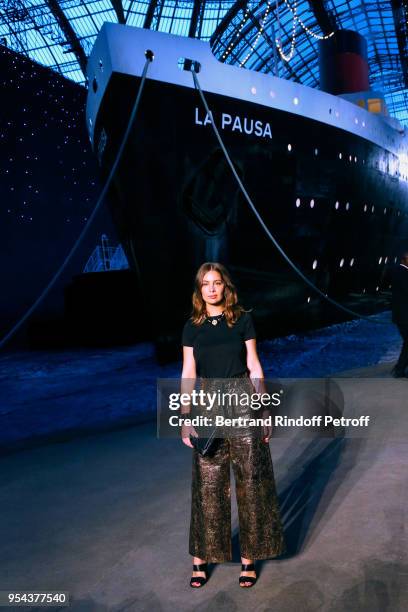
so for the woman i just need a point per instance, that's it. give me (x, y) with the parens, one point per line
(219, 342)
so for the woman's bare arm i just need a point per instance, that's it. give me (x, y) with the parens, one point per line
(253, 363)
(257, 376)
(188, 379)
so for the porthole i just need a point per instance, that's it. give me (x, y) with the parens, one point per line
(314, 264)
(347, 205)
(297, 202)
(336, 206)
(312, 203)
(289, 147)
(341, 264)
(380, 260)
(352, 262)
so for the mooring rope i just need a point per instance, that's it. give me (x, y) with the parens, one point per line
(261, 221)
(149, 58)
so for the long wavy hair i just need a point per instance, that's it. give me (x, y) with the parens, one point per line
(232, 309)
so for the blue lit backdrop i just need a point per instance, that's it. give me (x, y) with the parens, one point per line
(48, 186)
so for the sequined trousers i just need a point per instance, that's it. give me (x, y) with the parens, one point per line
(260, 528)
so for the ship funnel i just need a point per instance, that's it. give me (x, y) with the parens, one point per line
(343, 63)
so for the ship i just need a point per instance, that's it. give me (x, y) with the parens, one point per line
(326, 170)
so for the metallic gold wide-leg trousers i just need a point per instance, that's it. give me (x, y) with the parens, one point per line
(260, 528)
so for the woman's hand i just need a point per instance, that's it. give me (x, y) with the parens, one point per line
(266, 433)
(266, 429)
(186, 431)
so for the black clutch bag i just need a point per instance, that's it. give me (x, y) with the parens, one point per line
(205, 446)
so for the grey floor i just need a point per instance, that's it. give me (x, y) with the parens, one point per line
(106, 516)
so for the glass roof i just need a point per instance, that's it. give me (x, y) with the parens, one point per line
(248, 41)
(60, 33)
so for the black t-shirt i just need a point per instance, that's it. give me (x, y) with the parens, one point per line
(219, 350)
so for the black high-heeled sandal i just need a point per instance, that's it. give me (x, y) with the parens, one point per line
(249, 567)
(202, 567)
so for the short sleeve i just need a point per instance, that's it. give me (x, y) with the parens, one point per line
(188, 334)
(249, 328)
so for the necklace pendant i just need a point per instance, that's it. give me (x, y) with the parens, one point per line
(214, 322)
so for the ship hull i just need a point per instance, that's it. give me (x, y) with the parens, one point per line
(176, 204)
(328, 179)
